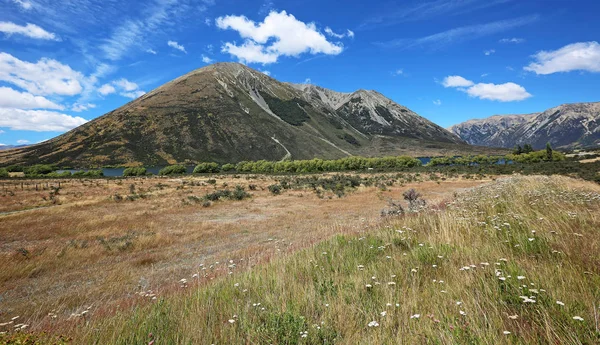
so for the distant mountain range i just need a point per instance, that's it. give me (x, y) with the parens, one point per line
(8, 147)
(566, 126)
(228, 112)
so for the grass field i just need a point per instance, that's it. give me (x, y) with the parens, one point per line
(510, 261)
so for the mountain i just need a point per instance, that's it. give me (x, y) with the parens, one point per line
(228, 112)
(566, 126)
(8, 147)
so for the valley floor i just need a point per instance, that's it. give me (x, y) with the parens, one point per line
(489, 262)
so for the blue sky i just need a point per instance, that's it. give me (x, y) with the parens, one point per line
(66, 62)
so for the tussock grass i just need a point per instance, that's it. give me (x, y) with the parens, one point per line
(513, 262)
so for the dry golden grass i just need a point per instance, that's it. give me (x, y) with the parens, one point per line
(510, 262)
(82, 248)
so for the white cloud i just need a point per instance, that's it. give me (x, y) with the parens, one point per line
(398, 72)
(1, 131)
(489, 52)
(484, 75)
(250, 52)
(29, 30)
(22, 141)
(507, 92)
(151, 51)
(106, 89)
(280, 34)
(125, 88)
(10, 98)
(38, 120)
(266, 72)
(437, 102)
(26, 5)
(515, 40)
(330, 32)
(125, 84)
(208, 22)
(177, 46)
(79, 107)
(456, 81)
(582, 56)
(133, 94)
(206, 59)
(45, 77)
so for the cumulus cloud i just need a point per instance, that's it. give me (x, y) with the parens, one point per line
(266, 72)
(177, 46)
(45, 77)
(10, 98)
(507, 92)
(106, 89)
(280, 34)
(22, 142)
(250, 52)
(38, 120)
(79, 107)
(29, 30)
(437, 102)
(151, 51)
(398, 72)
(456, 81)
(489, 52)
(515, 40)
(582, 56)
(206, 59)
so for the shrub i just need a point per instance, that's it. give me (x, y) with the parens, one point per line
(172, 170)
(414, 200)
(4, 173)
(275, 189)
(228, 167)
(204, 168)
(135, 171)
(15, 168)
(38, 170)
(239, 193)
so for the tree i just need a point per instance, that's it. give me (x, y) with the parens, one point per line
(527, 148)
(548, 151)
(517, 150)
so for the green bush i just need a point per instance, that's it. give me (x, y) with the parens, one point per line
(204, 168)
(228, 167)
(172, 170)
(15, 168)
(275, 189)
(135, 171)
(89, 173)
(4, 173)
(39, 170)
